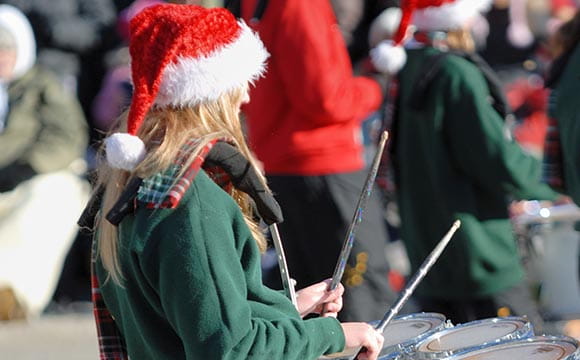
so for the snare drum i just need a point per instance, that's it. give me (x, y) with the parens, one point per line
(472, 336)
(534, 348)
(402, 334)
(551, 235)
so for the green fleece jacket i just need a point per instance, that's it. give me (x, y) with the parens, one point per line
(566, 110)
(454, 161)
(193, 288)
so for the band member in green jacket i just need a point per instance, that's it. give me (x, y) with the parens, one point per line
(453, 159)
(180, 274)
(561, 159)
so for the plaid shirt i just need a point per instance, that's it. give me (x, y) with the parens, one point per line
(552, 162)
(111, 343)
(163, 190)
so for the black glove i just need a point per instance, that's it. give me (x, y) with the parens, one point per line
(12, 175)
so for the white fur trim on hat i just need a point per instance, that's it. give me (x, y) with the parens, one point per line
(448, 16)
(124, 151)
(191, 81)
(388, 57)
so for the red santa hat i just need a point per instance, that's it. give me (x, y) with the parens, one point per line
(426, 15)
(182, 55)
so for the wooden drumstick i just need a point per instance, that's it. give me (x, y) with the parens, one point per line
(357, 217)
(414, 281)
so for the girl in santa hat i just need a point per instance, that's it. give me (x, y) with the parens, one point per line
(453, 160)
(176, 261)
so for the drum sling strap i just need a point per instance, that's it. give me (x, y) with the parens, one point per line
(224, 164)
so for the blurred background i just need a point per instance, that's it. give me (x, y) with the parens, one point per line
(80, 49)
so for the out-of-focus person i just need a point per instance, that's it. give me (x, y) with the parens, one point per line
(453, 160)
(42, 143)
(304, 124)
(72, 36)
(561, 169)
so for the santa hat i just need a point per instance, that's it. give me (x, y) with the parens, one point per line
(426, 15)
(182, 55)
(125, 16)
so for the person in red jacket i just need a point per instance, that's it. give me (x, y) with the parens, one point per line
(304, 125)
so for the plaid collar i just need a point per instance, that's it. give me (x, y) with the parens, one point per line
(166, 189)
(163, 190)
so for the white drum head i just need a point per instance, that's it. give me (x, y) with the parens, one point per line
(530, 349)
(408, 328)
(402, 333)
(472, 335)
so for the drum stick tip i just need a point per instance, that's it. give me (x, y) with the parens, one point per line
(457, 223)
(385, 135)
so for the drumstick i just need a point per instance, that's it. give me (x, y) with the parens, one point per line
(357, 217)
(415, 280)
(283, 265)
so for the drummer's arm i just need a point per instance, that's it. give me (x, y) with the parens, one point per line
(203, 274)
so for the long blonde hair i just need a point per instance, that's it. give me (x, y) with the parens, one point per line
(164, 131)
(460, 39)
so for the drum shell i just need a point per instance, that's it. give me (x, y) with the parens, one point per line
(552, 253)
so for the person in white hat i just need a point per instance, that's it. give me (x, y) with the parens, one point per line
(178, 276)
(453, 160)
(43, 138)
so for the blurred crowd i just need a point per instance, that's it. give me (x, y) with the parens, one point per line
(65, 78)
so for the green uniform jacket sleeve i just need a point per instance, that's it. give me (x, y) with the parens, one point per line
(476, 135)
(206, 267)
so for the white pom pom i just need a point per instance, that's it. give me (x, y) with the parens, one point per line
(124, 151)
(388, 58)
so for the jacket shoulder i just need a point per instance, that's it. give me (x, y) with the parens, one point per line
(455, 66)
(461, 75)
